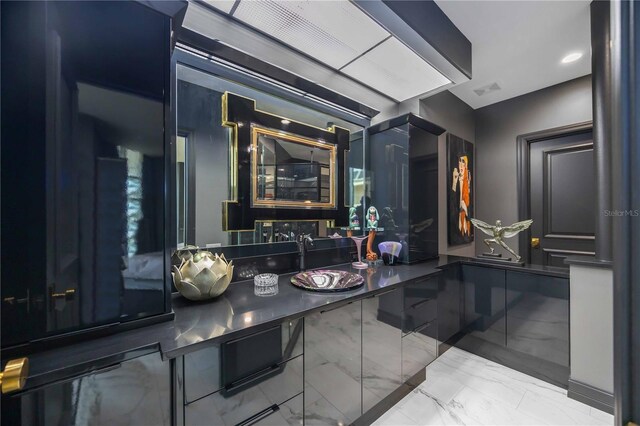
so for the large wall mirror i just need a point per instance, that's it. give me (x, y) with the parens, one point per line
(298, 187)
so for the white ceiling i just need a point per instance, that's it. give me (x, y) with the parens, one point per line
(342, 36)
(519, 45)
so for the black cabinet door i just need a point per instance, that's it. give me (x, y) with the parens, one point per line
(450, 303)
(538, 320)
(136, 392)
(333, 365)
(420, 300)
(85, 88)
(381, 347)
(484, 304)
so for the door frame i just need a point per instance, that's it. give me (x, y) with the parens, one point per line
(523, 146)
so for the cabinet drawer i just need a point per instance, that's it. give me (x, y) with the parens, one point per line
(202, 368)
(286, 414)
(420, 303)
(419, 349)
(223, 409)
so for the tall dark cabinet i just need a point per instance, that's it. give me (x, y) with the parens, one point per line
(85, 158)
(402, 167)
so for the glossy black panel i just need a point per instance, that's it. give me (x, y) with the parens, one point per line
(450, 303)
(402, 163)
(259, 399)
(381, 347)
(484, 304)
(333, 365)
(134, 392)
(84, 156)
(420, 299)
(203, 369)
(419, 349)
(518, 319)
(240, 215)
(538, 316)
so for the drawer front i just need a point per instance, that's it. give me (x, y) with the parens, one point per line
(248, 404)
(202, 368)
(287, 414)
(201, 373)
(420, 303)
(292, 341)
(419, 349)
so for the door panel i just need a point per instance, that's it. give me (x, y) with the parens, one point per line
(562, 198)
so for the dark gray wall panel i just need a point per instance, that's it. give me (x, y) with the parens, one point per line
(446, 110)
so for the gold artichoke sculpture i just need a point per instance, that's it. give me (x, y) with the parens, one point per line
(203, 276)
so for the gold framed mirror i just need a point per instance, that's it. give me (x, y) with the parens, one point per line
(291, 171)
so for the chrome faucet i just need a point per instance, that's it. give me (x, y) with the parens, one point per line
(304, 241)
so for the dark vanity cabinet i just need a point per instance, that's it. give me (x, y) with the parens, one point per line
(518, 318)
(381, 346)
(85, 100)
(420, 325)
(254, 379)
(402, 161)
(333, 365)
(133, 392)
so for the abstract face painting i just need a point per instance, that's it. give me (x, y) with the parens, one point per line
(460, 189)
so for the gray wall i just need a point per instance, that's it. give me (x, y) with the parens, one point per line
(497, 128)
(591, 327)
(449, 112)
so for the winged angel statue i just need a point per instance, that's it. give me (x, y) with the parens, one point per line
(499, 232)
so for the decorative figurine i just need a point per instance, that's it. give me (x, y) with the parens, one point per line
(354, 222)
(372, 225)
(498, 232)
(372, 218)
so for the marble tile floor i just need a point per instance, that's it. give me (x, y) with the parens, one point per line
(465, 389)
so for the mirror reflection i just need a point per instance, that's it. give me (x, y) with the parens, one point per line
(292, 171)
(203, 180)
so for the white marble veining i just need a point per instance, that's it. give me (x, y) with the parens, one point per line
(465, 389)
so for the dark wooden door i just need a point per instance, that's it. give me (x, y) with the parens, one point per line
(562, 198)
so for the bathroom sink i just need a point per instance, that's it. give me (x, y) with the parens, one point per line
(324, 280)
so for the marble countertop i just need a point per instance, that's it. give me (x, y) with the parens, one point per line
(236, 313)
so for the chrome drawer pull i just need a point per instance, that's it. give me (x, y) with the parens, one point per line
(259, 416)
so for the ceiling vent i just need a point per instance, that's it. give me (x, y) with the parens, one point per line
(487, 89)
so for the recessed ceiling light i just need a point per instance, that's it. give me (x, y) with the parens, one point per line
(285, 121)
(572, 57)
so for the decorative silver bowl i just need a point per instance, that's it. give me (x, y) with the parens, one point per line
(327, 281)
(202, 276)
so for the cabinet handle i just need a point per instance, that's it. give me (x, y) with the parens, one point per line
(421, 280)
(337, 307)
(419, 328)
(14, 375)
(259, 416)
(254, 377)
(383, 293)
(422, 302)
